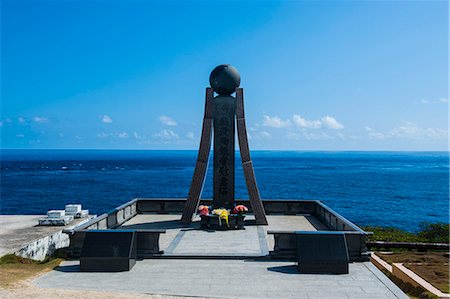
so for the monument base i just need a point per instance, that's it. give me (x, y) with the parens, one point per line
(214, 222)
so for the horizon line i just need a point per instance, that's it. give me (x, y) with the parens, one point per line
(255, 150)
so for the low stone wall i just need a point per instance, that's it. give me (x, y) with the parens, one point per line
(271, 206)
(355, 237)
(110, 220)
(285, 244)
(39, 249)
(128, 210)
(286, 247)
(333, 220)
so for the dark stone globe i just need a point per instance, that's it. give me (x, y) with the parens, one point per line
(224, 79)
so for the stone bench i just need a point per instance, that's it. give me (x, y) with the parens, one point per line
(322, 252)
(108, 251)
(285, 246)
(147, 241)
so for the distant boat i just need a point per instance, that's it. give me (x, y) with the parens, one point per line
(64, 168)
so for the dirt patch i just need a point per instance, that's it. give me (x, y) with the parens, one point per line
(431, 266)
(14, 269)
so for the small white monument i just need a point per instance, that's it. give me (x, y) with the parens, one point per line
(76, 211)
(64, 217)
(53, 214)
(56, 217)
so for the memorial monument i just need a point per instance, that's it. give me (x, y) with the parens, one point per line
(223, 113)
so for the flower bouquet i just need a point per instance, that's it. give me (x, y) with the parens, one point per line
(240, 209)
(222, 218)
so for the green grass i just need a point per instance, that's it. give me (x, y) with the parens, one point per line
(412, 291)
(14, 269)
(429, 233)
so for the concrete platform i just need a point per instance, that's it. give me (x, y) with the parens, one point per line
(191, 241)
(223, 264)
(226, 279)
(17, 231)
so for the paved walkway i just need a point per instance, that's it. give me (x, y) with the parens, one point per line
(242, 243)
(251, 242)
(227, 279)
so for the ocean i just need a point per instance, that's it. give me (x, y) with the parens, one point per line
(398, 189)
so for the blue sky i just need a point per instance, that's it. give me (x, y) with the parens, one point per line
(317, 75)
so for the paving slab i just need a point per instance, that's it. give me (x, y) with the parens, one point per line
(182, 240)
(250, 278)
(219, 243)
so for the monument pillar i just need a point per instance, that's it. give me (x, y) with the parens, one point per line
(224, 131)
(221, 114)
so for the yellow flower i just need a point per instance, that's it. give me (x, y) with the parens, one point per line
(222, 213)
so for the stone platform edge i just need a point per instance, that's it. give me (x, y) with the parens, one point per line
(116, 217)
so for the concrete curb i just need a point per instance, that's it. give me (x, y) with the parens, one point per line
(406, 275)
(409, 276)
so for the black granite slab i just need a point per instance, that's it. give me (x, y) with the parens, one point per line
(108, 251)
(322, 252)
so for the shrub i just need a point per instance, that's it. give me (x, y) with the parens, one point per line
(434, 232)
(429, 232)
(391, 234)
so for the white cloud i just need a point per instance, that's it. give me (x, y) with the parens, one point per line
(39, 119)
(374, 134)
(326, 121)
(190, 135)
(308, 136)
(317, 136)
(137, 136)
(103, 135)
(293, 136)
(168, 121)
(341, 136)
(122, 135)
(304, 123)
(20, 135)
(260, 135)
(276, 122)
(166, 135)
(440, 100)
(1, 124)
(265, 135)
(61, 135)
(331, 123)
(21, 119)
(412, 131)
(106, 119)
(409, 130)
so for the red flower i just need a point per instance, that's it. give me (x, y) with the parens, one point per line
(203, 210)
(240, 209)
